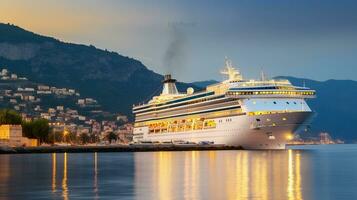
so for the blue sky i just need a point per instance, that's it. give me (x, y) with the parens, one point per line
(190, 38)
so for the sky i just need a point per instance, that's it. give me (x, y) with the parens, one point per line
(314, 39)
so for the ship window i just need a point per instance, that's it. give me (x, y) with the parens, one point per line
(258, 120)
(274, 102)
(294, 102)
(287, 103)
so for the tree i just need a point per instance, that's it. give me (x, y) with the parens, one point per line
(8, 116)
(94, 138)
(71, 137)
(53, 136)
(84, 138)
(27, 129)
(112, 137)
(38, 129)
(41, 129)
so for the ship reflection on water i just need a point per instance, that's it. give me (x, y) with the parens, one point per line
(218, 175)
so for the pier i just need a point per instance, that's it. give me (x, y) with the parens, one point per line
(114, 148)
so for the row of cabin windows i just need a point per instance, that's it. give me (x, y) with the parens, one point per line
(173, 126)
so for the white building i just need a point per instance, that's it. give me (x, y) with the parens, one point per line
(13, 76)
(61, 108)
(4, 72)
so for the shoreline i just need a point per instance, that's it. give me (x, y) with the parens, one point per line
(113, 148)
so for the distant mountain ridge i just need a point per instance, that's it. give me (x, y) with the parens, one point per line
(203, 84)
(116, 81)
(334, 106)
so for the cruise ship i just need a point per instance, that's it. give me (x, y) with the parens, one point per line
(253, 114)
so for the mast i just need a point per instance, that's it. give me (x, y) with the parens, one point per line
(232, 73)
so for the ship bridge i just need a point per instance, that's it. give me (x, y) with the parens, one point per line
(271, 91)
(237, 87)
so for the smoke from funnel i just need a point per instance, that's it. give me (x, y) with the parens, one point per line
(174, 56)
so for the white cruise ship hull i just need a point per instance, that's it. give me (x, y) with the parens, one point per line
(270, 131)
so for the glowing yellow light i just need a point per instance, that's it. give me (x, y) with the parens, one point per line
(289, 136)
(64, 179)
(65, 132)
(54, 172)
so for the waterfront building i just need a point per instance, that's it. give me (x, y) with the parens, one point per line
(11, 135)
(325, 138)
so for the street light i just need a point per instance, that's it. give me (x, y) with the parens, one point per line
(65, 133)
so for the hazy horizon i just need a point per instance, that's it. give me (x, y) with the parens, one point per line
(315, 40)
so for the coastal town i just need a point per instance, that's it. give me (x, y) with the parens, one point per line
(69, 115)
(323, 138)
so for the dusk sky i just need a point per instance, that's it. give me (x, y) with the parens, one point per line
(303, 38)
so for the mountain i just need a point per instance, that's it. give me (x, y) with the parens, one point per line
(116, 81)
(203, 84)
(334, 106)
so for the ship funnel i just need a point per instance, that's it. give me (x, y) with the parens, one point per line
(169, 85)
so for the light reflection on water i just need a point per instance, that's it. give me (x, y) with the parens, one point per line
(220, 175)
(322, 173)
(54, 172)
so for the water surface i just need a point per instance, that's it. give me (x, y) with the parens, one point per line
(305, 172)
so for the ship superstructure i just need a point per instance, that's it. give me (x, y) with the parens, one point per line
(254, 114)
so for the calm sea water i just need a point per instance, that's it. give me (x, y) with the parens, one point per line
(306, 172)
